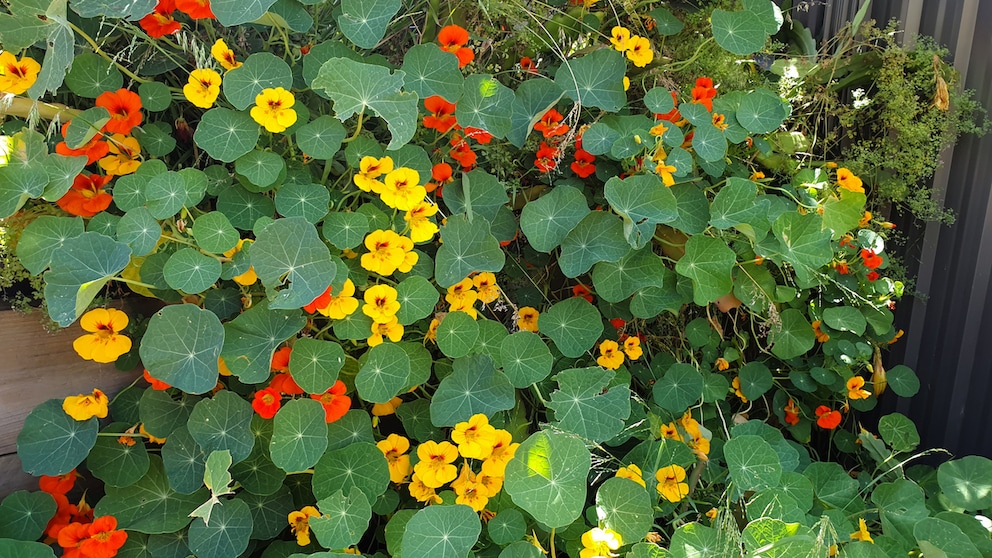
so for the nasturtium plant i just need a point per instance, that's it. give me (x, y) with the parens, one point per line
(414, 287)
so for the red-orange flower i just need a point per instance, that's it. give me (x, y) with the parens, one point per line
(160, 22)
(320, 302)
(464, 155)
(872, 276)
(673, 115)
(157, 384)
(582, 291)
(94, 150)
(478, 134)
(267, 402)
(550, 124)
(527, 65)
(62, 517)
(546, 156)
(441, 174)
(442, 114)
(280, 359)
(196, 9)
(583, 165)
(284, 383)
(453, 39)
(86, 197)
(871, 259)
(125, 110)
(99, 539)
(841, 268)
(827, 418)
(60, 484)
(704, 92)
(792, 413)
(335, 402)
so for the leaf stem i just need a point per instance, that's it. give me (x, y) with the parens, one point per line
(358, 127)
(98, 50)
(134, 283)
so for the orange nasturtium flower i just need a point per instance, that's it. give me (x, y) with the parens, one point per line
(335, 402)
(196, 9)
(453, 39)
(849, 181)
(58, 484)
(610, 355)
(550, 124)
(435, 467)
(156, 384)
(704, 92)
(267, 402)
(545, 157)
(17, 76)
(299, 521)
(670, 485)
(387, 408)
(273, 109)
(86, 197)
(827, 418)
(792, 412)
(442, 114)
(100, 539)
(855, 388)
(527, 319)
(161, 22)
(125, 110)
(124, 157)
(583, 165)
(203, 87)
(85, 407)
(224, 55)
(871, 259)
(93, 150)
(736, 384)
(104, 343)
(280, 359)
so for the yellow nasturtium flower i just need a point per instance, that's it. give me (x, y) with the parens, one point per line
(670, 485)
(224, 55)
(124, 157)
(391, 330)
(203, 87)
(85, 407)
(640, 52)
(422, 492)
(422, 229)
(620, 38)
(435, 467)
(104, 342)
(249, 277)
(527, 318)
(862, 533)
(343, 304)
(610, 355)
(273, 109)
(388, 252)
(475, 438)
(299, 521)
(395, 448)
(17, 76)
(599, 543)
(632, 347)
(631, 472)
(503, 451)
(381, 304)
(486, 285)
(402, 190)
(369, 171)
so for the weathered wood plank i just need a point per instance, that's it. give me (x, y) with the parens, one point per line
(35, 366)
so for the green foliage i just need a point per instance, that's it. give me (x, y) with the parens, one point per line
(382, 329)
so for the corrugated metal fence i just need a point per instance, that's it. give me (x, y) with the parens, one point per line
(948, 337)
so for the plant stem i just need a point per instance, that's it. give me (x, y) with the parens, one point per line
(21, 107)
(98, 50)
(134, 283)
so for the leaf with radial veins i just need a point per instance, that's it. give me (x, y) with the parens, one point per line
(226, 134)
(432, 71)
(80, 268)
(251, 338)
(584, 405)
(53, 443)
(290, 250)
(442, 532)
(595, 80)
(181, 347)
(364, 22)
(299, 435)
(357, 88)
(708, 262)
(573, 324)
(486, 104)
(42, 237)
(468, 247)
(547, 477)
(547, 220)
(344, 519)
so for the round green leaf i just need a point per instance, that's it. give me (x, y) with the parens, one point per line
(321, 137)
(442, 532)
(756, 380)
(139, 230)
(468, 247)
(794, 337)
(289, 250)
(584, 405)
(598, 139)
(268, 512)
(80, 268)
(642, 268)
(184, 461)
(967, 482)
(150, 505)
(24, 515)
(659, 100)
(491, 335)
(225, 535)
(261, 168)
(595, 80)
(360, 465)
(191, 271)
(155, 96)
(226, 134)
(257, 473)
(345, 230)
(478, 193)
(115, 463)
(761, 110)
(91, 75)
(899, 432)
(417, 298)
(474, 386)
(546, 220)
(261, 70)
(526, 359)
(709, 263)
(165, 194)
(508, 526)
(315, 364)
(214, 233)
(598, 237)
(364, 22)
(752, 463)
(25, 549)
(223, 423)
(831, 484)
(42, 237)
(709, 143)
(457, 334)
(665, 24)
(937, 537)
(739, 32)
(903, 381)
(53, 443)
(680, 387)
(432, 71)
(299, 435)
(344, 519)
(161, 413)
(845, 318)
(244, 208)
(486, 104)
(547, 477)
(156, 138)
(383, 373)
(308, 201)
(573, 324)
(624, 506)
